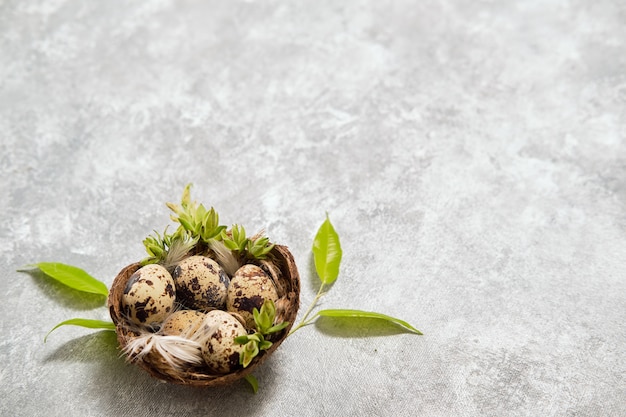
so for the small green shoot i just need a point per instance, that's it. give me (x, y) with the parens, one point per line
(235, 239)
(255, 343)
(256, 247)
(163, 248)
(195, 219)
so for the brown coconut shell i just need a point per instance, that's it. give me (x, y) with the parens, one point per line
(281, 267)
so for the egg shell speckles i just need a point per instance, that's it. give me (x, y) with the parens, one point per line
(219, 350)
(182, 323)
(201, 283)
(149, 295)
(249, 288)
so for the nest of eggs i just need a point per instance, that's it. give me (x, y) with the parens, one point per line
(183, 351)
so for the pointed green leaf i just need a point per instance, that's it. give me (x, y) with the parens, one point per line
(185, 223)
(254, 383)
(174, 207)
(268, 249)
(230, 244)
(327, 252)
(73, 277)
(265, 344)
(201, 213)
(269, 308)
(256, 337)
(250, 351)
(89, 323)
(368, 315)
(278, 327)
(186, 197)
(264, 322)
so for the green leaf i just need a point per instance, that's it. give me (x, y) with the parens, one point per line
(256, 337)
(174, 207)
(368, 315)
(73, 277)
(254, 383)
(265, 344)
(230, 244)
(235, 232)
(265, 322)
(269, 308)
(201, 213)
(256, 314)
(186, 224)
(250, 350)
(278, 327)
(259, 248)
(186, 197)
(327, 252)
(89, 323)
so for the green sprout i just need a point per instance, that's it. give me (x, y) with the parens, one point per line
(257, 342)
(256, 247)
(166, 248)
(195, 219)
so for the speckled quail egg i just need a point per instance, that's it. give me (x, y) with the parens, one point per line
(149, 296)
(249, 288)
(182, 323)
(201, 283)
(219, 349)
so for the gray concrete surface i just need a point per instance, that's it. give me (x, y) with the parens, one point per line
(471, 154)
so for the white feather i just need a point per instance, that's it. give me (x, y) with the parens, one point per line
(177, 351)
(177, 252)
(225, 257)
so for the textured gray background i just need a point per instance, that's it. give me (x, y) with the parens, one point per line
(471, 154)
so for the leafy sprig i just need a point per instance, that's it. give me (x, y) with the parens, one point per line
(260, 247)
(327, 255)
(79, 280)
(255, 343)
(256, 247)
(235, 239)
(195, 219)
(161, 248)
(199, 224)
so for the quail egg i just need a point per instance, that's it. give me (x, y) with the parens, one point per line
(182, 323)
(149, 296)
(249, 288)
(219, 349)
(201, 283)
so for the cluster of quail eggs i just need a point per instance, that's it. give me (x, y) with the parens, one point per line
(199, 296)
